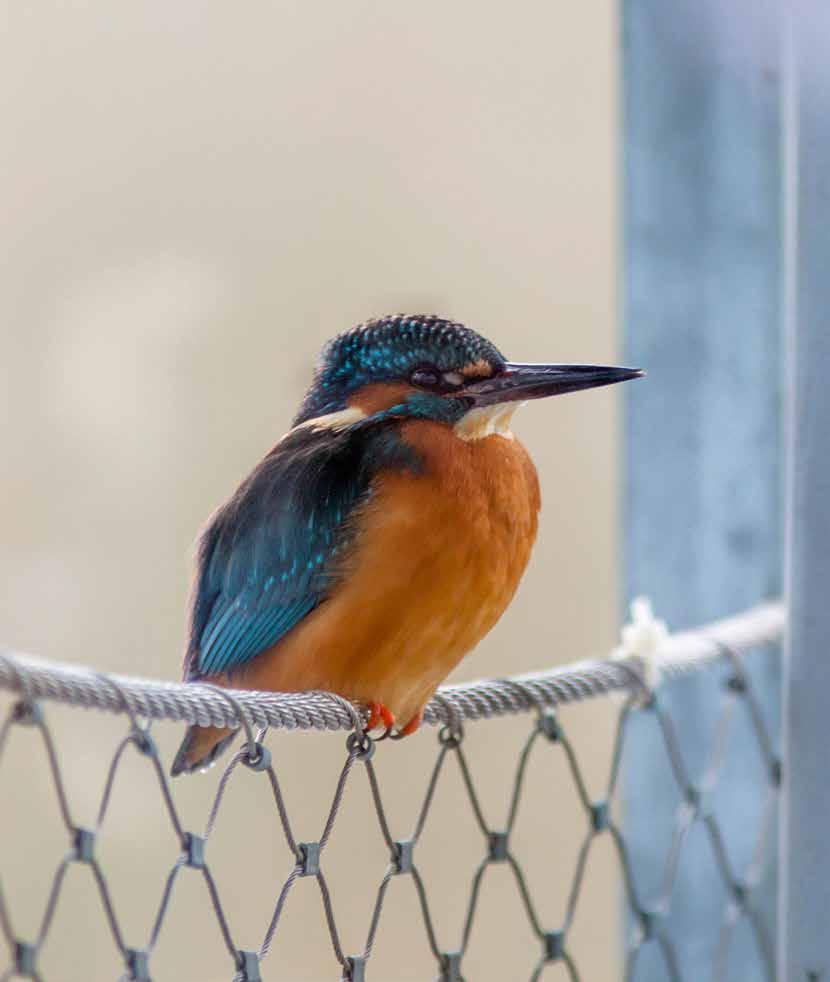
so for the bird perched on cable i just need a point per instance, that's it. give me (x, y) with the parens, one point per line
(386, 532)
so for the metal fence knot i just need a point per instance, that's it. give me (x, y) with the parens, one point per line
(402, 856)
(361, 746)
(554, 945)
(355, 969)
(548, 726)
(194, 851)
(308, 858)
(27, 713)
(138, 965)
(248, 964)
(451, 737)
(498, 847)
(451, 967)
(25, 959)
(84, 845)
(258, 757)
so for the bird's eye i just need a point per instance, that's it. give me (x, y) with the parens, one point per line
(426, 378)
(430, 378)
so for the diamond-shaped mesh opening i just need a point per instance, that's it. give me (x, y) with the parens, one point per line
(400, 917)
(131, 798)
(597, 950)
(500, 909)
(62, 943)
(30, 806)
(190, 915)
(525, 898)
(667, 808)
(546, 795)
(692, 872)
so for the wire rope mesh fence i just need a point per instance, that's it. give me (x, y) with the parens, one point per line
(547, 944)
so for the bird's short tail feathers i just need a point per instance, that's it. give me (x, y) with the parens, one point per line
(200, 748)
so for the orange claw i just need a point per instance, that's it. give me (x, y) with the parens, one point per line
(413, 725)
(379, 713)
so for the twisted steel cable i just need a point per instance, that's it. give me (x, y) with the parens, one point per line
(204, 705)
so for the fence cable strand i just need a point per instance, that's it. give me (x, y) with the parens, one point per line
(205, 705)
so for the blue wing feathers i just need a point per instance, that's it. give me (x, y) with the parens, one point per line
(272, 553)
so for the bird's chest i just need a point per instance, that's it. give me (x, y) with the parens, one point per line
(437, 558)
(452, 543)
(480, 499)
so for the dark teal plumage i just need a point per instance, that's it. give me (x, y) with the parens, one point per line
(272, 553)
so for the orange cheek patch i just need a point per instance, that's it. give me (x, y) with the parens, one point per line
(477, 369)
(377, 396)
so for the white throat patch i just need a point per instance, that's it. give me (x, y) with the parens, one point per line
(487, 421)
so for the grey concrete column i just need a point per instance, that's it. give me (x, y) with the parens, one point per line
(805, 842)
(702, 275)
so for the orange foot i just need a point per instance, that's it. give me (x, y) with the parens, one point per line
(413, 725)
(379, 713)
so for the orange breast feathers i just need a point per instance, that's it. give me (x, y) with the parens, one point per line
(438, 557)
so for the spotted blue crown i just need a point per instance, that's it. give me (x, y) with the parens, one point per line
(390, 349)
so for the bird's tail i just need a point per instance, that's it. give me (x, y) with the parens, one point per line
(200, 748)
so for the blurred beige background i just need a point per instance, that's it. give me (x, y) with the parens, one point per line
(195, 196)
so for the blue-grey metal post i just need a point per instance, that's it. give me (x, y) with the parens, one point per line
(805, 852)
(703, 493)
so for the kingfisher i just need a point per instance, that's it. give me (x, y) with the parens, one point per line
(384, 535)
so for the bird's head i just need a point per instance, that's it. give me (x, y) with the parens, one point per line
(425, 367)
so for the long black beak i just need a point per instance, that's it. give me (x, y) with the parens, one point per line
(518, 382)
